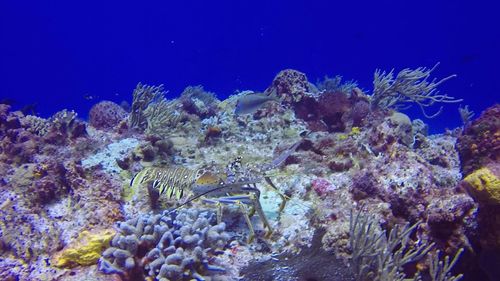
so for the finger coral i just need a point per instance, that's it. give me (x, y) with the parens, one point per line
(169, 246)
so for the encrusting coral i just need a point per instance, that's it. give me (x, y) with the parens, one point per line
(484, 185)
(169, 246)
(86, 250)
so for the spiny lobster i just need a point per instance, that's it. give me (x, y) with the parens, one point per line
(235, 185)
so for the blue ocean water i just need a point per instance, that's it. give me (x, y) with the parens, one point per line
(57, 54)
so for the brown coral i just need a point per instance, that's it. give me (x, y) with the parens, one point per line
(290, 85)
(106, 115)
(479, 143)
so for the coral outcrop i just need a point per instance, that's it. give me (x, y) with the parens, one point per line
(290, 85)
(170, 246)
(479, 147)
(106, 115)
(479, 143)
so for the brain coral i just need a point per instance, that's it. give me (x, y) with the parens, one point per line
(170, 246)
(106, 115)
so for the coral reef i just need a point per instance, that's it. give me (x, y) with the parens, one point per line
(162, 117)
(377, 256)
(173, 246)
(65, 182)
(335, 84)
(106, 159)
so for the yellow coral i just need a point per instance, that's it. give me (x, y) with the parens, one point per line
(86, 250)
(484, 186)
(342, 137)
(355, 131)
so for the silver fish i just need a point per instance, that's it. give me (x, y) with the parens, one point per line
(249, 104)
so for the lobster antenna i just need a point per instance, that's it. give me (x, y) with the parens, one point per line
(221, 186)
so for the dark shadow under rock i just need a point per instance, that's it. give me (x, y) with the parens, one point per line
(311, 264)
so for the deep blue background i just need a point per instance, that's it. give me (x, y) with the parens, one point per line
(56, 52)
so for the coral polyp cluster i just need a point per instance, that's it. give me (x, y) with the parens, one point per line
(175, 246)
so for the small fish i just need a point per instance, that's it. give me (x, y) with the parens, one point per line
(90, 97)
(284, 155)
(249, 104)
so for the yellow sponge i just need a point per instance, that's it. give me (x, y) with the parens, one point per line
(85, 250)
(484, 186)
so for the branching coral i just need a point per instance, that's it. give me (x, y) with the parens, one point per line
(142, 97)
(335, 84)
(168, 246)
(152, 113)
(162, 117)
(36, 125)
(465, 114)
(409, 86)
(441, 270)
(377, 257)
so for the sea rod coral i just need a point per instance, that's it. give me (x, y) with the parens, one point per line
(409, 86)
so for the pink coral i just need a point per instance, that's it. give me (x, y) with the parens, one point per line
(321, 186)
